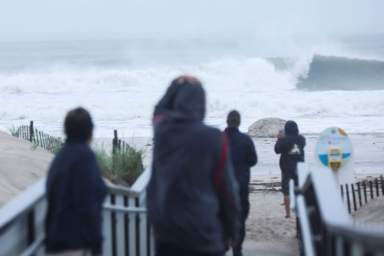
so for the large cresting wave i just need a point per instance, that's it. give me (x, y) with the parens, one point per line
(123, 97)
(340, 73)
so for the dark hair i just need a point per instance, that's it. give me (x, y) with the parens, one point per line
(233, 118)
(78, 124)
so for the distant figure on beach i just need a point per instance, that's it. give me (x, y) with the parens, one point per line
(243, 156)
(193, 201)
(75, 192)
(290, 145)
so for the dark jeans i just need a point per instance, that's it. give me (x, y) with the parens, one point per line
(163, 249)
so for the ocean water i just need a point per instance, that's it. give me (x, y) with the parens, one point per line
(120, 82)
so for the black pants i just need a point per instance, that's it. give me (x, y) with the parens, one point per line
(163, 249)
(238, 249)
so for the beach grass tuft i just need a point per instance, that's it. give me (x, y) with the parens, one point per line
(122, 167)
(14, 131)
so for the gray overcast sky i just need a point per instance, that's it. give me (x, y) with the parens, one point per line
(87, 19)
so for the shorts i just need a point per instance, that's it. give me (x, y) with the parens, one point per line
(285, 178)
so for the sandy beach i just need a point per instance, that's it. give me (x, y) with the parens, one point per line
(268, 232)
(20, 165)
(368, 155)
(371, 213)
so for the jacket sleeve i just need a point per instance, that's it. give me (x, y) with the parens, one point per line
(227, 190)
(303, 151)
(252, 155)
(281, 146)
(89, 192)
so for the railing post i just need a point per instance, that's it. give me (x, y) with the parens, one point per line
(365, 192)
(113, 227)
(31, 131)
(354, 197)
(371, 188)
(359, 193)
(31, 227)
(377, 187)
(342, 191)
(348, 198)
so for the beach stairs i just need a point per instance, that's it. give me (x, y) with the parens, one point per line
(270, 248)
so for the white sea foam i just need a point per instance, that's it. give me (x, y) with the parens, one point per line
(123, 98)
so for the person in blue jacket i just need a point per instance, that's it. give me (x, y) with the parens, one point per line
(192, 196)
(290, 145)
(75, 192)
(243, 155)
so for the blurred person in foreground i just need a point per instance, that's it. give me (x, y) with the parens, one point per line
(243, 155)
(193, 201)
(290, 145)
(75, 192)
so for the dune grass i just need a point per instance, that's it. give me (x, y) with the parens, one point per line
(123, 167)
(14, 131)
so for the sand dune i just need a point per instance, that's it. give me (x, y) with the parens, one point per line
(372, 213)
(20, 165)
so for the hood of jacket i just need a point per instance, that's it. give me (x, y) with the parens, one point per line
(184, 99)
(291, 128)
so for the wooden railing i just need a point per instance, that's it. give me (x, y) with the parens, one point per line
(360, 193)
(324, 225)
(126, 230)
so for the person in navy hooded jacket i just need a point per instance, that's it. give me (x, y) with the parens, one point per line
(243, 155)
(193, 201)
(75, 192)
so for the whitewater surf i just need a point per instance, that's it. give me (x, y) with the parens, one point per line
(121, 85)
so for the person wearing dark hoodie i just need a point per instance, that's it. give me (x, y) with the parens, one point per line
(192, 195)
(75, 192)
(290, 146)
(243, 155)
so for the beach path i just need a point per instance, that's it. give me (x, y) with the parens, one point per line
(268, 232)
(21, 164)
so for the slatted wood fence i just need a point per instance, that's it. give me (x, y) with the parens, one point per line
(361, 193)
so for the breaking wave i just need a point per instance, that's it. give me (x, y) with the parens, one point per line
(341, 73)
(124, 97)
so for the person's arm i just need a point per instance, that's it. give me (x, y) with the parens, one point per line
(252, 155)
(227, 190)
(281, 146)
(278, 147)
(303, 150)
(89, 192)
